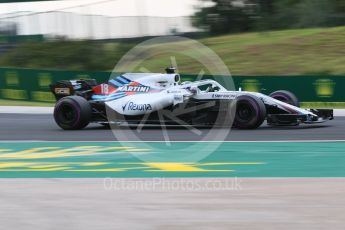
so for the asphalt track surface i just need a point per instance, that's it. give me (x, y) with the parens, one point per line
(41, 127)
(194, 204)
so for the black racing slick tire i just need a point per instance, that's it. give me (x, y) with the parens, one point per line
(250, 112)
(72, 113)
(285, 96)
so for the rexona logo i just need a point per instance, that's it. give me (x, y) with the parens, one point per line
(128, 88)
(136, 107)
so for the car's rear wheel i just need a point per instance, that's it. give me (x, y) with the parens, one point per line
(72, 112)
(285, 96)
(250, 112)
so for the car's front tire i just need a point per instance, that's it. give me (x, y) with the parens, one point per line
(72, 112)
(250, 112)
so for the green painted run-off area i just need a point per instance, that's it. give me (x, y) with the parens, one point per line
(229, 159)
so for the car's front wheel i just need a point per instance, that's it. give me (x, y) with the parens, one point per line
(72, 112)
(250, 112)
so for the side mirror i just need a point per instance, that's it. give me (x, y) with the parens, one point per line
(194, 90)
(216, 89)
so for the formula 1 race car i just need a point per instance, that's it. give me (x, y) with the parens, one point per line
(134, 97)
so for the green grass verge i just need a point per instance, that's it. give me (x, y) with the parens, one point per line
(303, 51)
(298, 51)
(323, 105)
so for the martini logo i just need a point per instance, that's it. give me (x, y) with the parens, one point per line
(131, 106)
(128, 88)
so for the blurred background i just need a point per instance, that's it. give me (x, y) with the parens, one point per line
(253, 38)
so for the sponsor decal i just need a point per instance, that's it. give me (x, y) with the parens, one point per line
(324, 87)
(64, 91)
(178, 99)
(223, 96)
(12, 78)
(128, 88)
(174, 91)
(131, 106)
(251, 85)
(44, 80)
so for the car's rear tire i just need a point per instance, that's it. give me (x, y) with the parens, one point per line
(285, 96)
(250, 112)
(72, 112)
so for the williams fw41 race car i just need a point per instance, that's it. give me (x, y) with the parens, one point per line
(132, 98)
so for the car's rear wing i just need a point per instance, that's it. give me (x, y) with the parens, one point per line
(64, 88)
